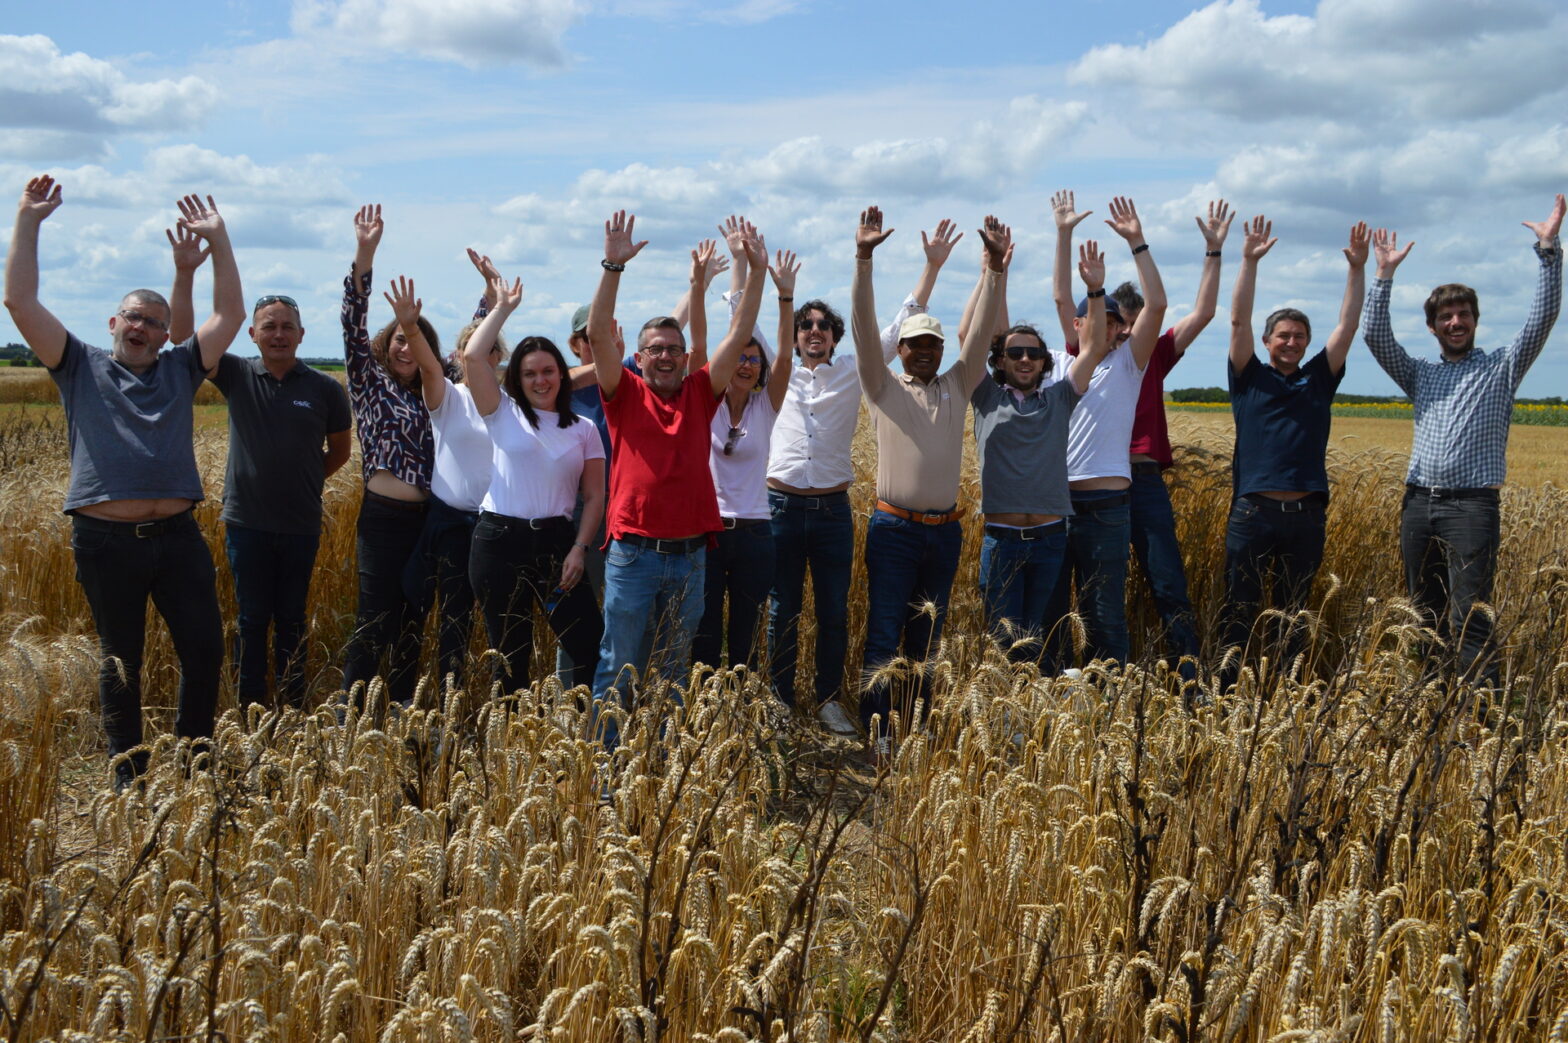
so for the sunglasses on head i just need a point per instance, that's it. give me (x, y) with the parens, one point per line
(275, 298)
(815, 324)
(1015, 352)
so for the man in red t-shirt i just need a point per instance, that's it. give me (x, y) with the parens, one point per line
(1153, 520)
(662, 504)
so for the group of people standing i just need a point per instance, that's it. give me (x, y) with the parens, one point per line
(662, 506)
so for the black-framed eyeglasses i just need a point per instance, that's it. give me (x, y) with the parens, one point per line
(275, 298)
(136, 318)
(654, 351)
(736, 434)
(815, 324)
(1036, 352)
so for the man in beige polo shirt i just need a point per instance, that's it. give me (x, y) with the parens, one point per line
(913, 542)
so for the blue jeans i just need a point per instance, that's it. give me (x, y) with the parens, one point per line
(909, 570)
(271, 584)
(652, 605)
(741, 566)
(815, 533)
(1019, 570)
(1278, 547)
(1449, 545)
(1159, 555)
(122, 564)
(1098, 535)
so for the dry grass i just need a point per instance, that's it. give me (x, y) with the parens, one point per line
(1340, 851)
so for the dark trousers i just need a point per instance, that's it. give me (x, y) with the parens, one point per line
(438, 571)
(1159, 555)
(909, 577)
(271, 584)
(740, 566)
(386, 626)
(815, 533)
(1272, 554)
(1098, 534)
(1449, 545)
(120, 565)
(514, 567)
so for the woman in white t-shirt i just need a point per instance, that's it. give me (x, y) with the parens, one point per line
(741, 562)
(526, 550)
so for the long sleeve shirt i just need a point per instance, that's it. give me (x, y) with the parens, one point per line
(1463, 407)
(390, 418)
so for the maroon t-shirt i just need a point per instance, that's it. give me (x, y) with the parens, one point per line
(1150, 436)
(660, 485)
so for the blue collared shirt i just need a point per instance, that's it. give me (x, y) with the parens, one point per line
(1463, 407)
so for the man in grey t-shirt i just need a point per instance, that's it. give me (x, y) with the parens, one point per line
(133, 471)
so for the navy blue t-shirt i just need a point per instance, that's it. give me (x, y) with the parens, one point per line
(1282, 424)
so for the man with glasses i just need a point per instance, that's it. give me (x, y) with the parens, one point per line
(289, 431)
(662, 506)
(133, 472)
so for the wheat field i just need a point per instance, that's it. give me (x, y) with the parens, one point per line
(1341, 847)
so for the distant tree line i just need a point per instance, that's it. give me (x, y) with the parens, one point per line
(1212, 394)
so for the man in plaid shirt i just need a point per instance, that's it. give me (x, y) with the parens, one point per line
(1449, 532)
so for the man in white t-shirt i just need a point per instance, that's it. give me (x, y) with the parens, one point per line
(1098, 471)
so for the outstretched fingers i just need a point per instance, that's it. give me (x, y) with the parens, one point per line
(1091, 264)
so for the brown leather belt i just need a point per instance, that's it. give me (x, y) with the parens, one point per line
(923, 517)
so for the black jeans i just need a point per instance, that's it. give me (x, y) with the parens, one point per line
(120, 565)
(741, 566)
(514, 566)
(386, 626)
(1449, 545)
(1267, 540)
(439, 569)
(271, 585)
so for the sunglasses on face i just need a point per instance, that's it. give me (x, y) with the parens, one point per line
(750, 360)
(136, 318)
(814, 324)
(735, 436)
(1036, 352)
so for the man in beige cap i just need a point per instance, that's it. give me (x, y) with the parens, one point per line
(913, 542)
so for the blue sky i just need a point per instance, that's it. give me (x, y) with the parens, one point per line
(516, 126)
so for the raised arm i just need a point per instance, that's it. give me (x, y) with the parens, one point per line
(1001, 293)
(1094, 345)
(619, 248)
(1548, 298)
(356, 296)
(716, 267)
(188, 255)
(870, 362)
(1339, 341)
(1214, 230)
(1258, 242)
(974, 348)
(367, 236)
(697, 338)
(1379, 332)
(1064, 211)
(406, 308)
(481, 378)
(1146, 330)
(39, 328)
(938, 247)
(727, 357)
(228, 297)
(784, 270)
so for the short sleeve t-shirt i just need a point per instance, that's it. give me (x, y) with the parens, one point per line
(1150, 435)
(1022, 443)
(130, 433)
(660, 485)
(740, 479)
(537, 470)
(1101, 427)
(277, 432)
(462, 473)
(1282, 425)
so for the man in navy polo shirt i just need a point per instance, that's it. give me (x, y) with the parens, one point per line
(1281, 408)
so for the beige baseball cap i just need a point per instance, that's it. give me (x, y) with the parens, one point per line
(920, 326)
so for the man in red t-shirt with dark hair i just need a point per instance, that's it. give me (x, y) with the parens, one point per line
(662, 505)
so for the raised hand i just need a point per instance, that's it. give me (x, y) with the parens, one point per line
(734, 229)
(188, 251)
(716, 267)
(368, 226)
(506, 298)
(1547, 230)
(701, 258)
(784, 269)
(756, 249)
(941, 244)
(200, 218)
(1385, 244)
(405, 305)
(1124, 219)
(1091, 265)
(998, 239)
(486, 269)
(868, 233)
(1217, 227)
(41, 197)
(1257, 241)
(1360, 238)
(1063, 209)
(618, 245)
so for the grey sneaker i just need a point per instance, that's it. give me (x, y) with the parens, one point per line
(835, 720)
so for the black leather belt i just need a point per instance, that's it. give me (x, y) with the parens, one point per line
(1316, 501)
(1098, 504)
(506, 521)
(1146, 467)
(141, 530)
(801, 502)
(686, 546)
(743, 523)
(1029, 535)
(1451, 494)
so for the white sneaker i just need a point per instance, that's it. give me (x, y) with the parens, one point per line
(835, 720)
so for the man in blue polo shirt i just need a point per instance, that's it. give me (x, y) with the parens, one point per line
(1281, 407)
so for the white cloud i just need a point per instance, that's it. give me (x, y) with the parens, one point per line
(471, 32)
(751, 12)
